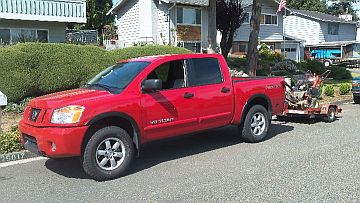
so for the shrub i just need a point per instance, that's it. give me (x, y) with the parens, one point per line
(312, 66)
(17, 108)
(339, 73)
(10, 141)
(344, 88)
(236, 63)
(329, 90)
(33, 69)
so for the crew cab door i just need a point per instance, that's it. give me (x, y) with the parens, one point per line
(169, 111)
(213, 92)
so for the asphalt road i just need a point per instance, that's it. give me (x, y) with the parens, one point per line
(301, 161)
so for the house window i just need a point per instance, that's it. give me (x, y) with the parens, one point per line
(42, 35)
(267, 19)
(333, 29)
(193, 46)
(14, 35)
(247, 18)
(243, 48)
(4, 36)
(188, 16)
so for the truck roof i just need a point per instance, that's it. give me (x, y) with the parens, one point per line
(159, 57)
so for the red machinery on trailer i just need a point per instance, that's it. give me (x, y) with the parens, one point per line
(303, 99)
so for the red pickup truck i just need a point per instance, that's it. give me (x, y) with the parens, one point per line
(145, 99)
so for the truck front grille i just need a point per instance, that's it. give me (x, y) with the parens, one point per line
(34, 114)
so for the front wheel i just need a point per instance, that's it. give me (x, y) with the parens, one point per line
(256, 124)
(108, 153)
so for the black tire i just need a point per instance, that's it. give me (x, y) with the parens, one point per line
(356, 99)
(331, 117)
(90, 159)
(247, 131)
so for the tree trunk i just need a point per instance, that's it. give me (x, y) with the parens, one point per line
(212, 27)
(252, 54)
(226, 42)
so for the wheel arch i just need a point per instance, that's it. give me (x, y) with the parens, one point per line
(257, 99)
(119, 119)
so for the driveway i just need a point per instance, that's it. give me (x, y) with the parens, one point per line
(301, 161)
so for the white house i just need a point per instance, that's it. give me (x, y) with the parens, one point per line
(41, 20)
(271, 32)
(323, 31)
(176, 22)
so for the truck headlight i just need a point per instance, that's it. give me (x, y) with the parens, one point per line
(67, 115)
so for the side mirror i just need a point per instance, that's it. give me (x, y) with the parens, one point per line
(151, 85)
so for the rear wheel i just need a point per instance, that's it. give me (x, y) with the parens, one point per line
(108, 153)
(356, 99)
(256, 124)
(331, 115)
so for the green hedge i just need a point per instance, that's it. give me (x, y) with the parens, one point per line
(33, 69)
(337, 72)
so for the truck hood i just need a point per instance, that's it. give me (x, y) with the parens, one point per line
(70, 97)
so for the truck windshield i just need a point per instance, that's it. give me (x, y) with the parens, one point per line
(117, 77)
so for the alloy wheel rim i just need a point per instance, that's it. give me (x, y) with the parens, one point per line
(258, 124)
(110, 154)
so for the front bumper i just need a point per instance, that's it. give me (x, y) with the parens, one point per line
(53, 142)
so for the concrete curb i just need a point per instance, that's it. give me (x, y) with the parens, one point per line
(16, 156)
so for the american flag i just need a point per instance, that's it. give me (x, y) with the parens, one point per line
(282, 5)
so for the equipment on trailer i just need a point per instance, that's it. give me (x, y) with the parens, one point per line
(303, 98)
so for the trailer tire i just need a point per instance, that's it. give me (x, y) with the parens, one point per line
(327, 63)
(356, 99)
(331, 115)
(256, 124)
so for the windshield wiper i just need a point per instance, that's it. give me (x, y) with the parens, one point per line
(106, 87)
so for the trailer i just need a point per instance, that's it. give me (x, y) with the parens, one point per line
(302, 99)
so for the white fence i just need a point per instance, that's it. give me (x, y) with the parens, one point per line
(113, 44)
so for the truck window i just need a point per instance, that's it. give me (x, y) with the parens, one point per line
(171, 73)
(204, 71)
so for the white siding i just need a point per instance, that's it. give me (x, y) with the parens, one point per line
(315, 32)
(267, 32)
(347, 32)
(145, 21)
(163, 24)
(129, 25)
(303, 28)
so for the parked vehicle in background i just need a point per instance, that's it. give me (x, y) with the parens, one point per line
(145, 99)
(328, 56)
(356, 90)
(333, 57)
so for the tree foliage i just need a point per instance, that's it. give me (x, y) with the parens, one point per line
(229, 17)
(96, 14)
(311, 5)
(342, 7)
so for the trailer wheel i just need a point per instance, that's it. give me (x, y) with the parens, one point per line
(331, 115)
(356, 99)
(256, 124)
(327, 63)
